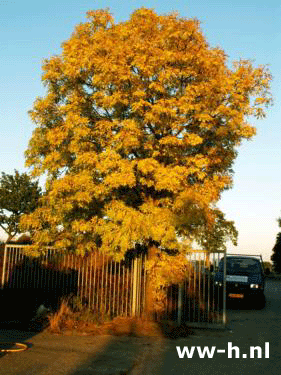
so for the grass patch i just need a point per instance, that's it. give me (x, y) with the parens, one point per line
(73, 318)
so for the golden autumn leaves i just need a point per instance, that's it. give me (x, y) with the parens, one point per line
(137, 132)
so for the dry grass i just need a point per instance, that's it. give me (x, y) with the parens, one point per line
(67, 321)
(59, 319)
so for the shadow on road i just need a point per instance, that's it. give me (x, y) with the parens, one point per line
(121, 356)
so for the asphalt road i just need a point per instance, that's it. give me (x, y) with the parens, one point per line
(73, 355)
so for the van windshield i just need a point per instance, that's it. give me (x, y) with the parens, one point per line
(241, 266)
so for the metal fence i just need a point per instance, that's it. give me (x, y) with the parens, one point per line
(112, 288)
(198, 301)
(109, 288)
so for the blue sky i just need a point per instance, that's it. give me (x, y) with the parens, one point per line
(31, 31)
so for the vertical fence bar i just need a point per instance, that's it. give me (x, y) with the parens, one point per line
(137, 286)
(69, 275)
(57, 276)
(17, 279)
(218, 315)
(102, 276)
(34, 269)
(110, 301)
(213, 299)
(132, 288)
(21, 262)
(191, 274)
(77, 274)
(42, 263)
(4, 268)
(43, 281)
(180, 292)
(64, 275)
(127, 291)
(82, 273)
(9, 266)
(51, 272)
(89, 282)
(224, 289)
(95, 279)
(16, 263)
(118, 290)
(13, 255)
(10, 263)
(144, 282)
(200, 286)
(209, 295)
(134, 295)
(194, 290)
(106, 297)
(123, 289)
(206, 275)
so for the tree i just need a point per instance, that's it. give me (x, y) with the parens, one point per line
(267, 267)
(137, 135)
(18, 195)
(276, 256)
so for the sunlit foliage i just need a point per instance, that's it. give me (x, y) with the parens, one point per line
(137, 134)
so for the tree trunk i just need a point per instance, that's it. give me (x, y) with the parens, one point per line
(10, 237)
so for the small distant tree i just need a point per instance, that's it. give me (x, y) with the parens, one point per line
(267, 267)
(19, 195)
(276, 256)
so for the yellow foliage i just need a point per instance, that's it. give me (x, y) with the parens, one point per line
(138, 133)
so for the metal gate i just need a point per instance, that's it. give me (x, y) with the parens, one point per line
(199, 300)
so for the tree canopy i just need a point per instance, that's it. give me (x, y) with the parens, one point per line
(19, 195)
(137, 134)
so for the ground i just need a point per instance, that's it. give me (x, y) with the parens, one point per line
(117, 355)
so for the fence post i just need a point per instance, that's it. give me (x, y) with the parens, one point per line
(135, 279)
(224, 289)
(4, 267)
(180, 293)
